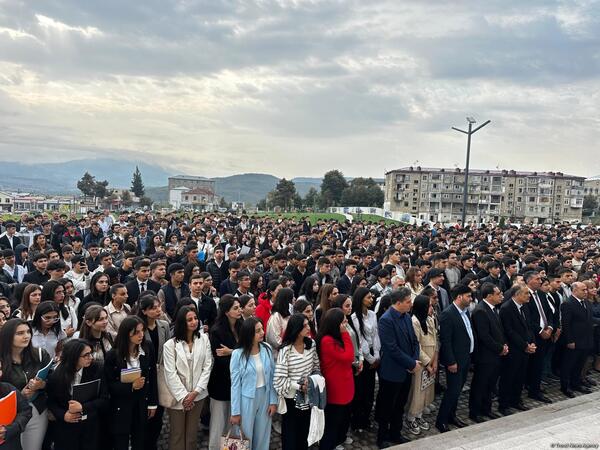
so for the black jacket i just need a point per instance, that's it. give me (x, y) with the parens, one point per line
(455, 342)
(219, 384)
(5, 242)
(123, 397)
(133, 290)
(12, 438)
(534, 314)
(577, 325)
(489, 336)
(516, 328)
(344, 285)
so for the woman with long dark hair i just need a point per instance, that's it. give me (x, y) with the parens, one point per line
(266, 300)
(224, 336)
(304, 307)
(131, 403)
(54, 291)
(71, 301)
(279, 317)
(187, 364)
(426, 333)
(336, 355)
(47, 332)
(21, 362)
(248, 306)
(93, 330)
(364, 321)
(31, 298)
(10, 433)
(297, 360)
(326, 296)
(77, 424)
(358, 281)
(156, 334)
(310, 290)
(99, 285)
(253, 398)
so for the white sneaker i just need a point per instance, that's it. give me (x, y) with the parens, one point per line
(339, 447)
(348, 440)
(423, 424)
(426, 411)
(413, 427)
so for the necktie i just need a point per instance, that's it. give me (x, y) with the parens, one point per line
(142, 287)
(522, 312)
(583, 304)
(540, 309)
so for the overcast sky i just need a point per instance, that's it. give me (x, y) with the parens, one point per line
(295, 87)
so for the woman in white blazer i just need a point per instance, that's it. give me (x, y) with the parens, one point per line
(188, 360)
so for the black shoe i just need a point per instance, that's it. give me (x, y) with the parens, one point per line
(457, 422)
(505, 411)
(520, 407)
(590, 381)
(398, 440)
(477, 419)
(492, 415)
(383, 444)
(442, 427)
(582, 389)
(542, 390)
(540, 398)
(568, 392)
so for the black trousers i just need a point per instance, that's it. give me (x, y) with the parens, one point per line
(153, 429)
(454, 385)
(389, 409)
(535, 366)
(364, 394)
(295, 424)
(571, 366)
(137, 430)
(76, 436)
(483, 384)
(512, 377)
(337, 422)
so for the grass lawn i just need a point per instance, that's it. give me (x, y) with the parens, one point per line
(375, 219)
(312, 217)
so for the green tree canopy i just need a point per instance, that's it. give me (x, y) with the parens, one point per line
(137, 186)
(284, 194)
(332, 187)
(362, 192)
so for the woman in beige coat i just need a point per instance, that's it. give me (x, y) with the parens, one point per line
(422, 390)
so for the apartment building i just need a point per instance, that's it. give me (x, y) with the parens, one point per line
(591, 186)
(436, 194)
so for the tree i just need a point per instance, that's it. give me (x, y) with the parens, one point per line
(137, 186)
(590, 205)
(146, 201)
(87, 184)
(126, 199)
(101, 189)
(284, 194)
(332, 187)
(362, 192)
(262, 205)
(311, 199)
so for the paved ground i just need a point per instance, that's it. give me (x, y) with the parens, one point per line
(565, 432)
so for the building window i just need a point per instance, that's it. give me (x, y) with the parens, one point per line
(532, 199)
(416, 182)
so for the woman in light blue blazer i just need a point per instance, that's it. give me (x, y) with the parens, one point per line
(253, 397)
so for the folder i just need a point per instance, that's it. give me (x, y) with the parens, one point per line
(130, 375)
(42, 374)
(8, 408)
(84, 392)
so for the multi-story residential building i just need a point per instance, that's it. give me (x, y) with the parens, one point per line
(436, 194)
(187, 191)
(591, 186)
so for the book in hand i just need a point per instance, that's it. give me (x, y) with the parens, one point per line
(8, 408)
(42, 374)
(130, 375)
(85, 392)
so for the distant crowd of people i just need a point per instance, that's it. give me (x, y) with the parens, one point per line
(237, 322)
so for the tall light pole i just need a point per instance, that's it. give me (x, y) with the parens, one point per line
(466, 188)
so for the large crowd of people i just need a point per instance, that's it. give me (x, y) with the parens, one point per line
(112, 324)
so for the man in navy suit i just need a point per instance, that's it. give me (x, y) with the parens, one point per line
(457, 344)
(399, 360)
(344, 284)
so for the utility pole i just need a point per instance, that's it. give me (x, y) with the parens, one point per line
(466, 187)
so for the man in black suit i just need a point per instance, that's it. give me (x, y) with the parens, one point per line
(345, 282)
(9, 239)
(490, 346)
(141, 282)
(514, 316)
(554, 299)
(578, 337)
(541, 322)
(457, 343)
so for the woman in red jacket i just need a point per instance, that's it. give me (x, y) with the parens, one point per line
(265, 302)
(336, 355)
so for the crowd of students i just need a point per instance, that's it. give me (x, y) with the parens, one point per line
(107, 324)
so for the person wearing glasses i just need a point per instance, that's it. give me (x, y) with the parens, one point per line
(131, 403)
(47, 332)
(21, 362)
(77, 424)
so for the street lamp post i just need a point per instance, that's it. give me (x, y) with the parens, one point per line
(466, 187)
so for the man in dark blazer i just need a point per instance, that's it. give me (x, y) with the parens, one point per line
(541, 322)
(9, 239)
(578, 338)
(344, 284)
(399, 360)
(490, 346)
(457, 344)
(514, 316)
(141, 282)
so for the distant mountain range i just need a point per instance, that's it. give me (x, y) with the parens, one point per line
(61, 178)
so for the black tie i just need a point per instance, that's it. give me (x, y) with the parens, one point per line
(142, 287)
(583, 304)
(522, 313)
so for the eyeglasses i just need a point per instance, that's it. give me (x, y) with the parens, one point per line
(51, 319)
(87, 355)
